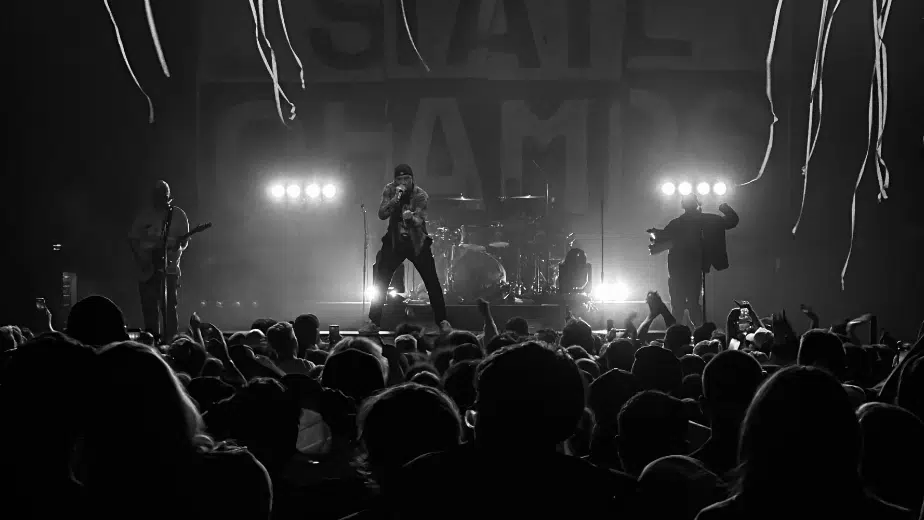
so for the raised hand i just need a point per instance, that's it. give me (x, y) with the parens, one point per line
(194, 322)
(781, 328)
(483, 306)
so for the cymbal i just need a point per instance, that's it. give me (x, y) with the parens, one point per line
(459, 198)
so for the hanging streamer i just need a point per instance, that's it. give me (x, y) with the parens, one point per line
(160, 52)
(277, 90)
(285, 31)
(880, 19)
(128, 65)
(877, 93)
(811, 126)
(856, 187)
(410, 37)
(773, 32)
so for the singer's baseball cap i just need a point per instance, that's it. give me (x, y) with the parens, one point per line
(403, 169)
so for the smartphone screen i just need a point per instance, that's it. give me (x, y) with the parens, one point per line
(333, 331)
(40, 304)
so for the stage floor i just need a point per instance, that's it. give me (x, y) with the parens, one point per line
(351, 316)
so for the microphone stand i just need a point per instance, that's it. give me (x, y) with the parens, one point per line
(365, 256)
(168, 221)
(703, 267)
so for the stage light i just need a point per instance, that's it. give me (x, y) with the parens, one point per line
(313, 191)
(703, 188)
(719, 188)
(611, 292)
(329, 191)
(293, 191)
(393, 293)
(685, 188)
(203, 303)
(219, 304)
(277, 191)
(237, 304)
(668, 188)
(371, 294)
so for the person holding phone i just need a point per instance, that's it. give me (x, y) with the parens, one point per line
(404, 206)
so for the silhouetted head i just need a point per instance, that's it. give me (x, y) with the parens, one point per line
(657, 368)
(96, 321)
(652, 425)
(529, 397)
(354, 372)
(619, 354)
(517, 325)
(730, 381)
(800, 442)
(160, 195)
(404, 422)
(892, 453)
(823, 349)
(578, 332)
(608, 393)
(306, 329)
(281, 338)
(690, 203)
(576, 256)
(677, 339)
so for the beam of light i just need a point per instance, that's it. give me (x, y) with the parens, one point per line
(703, 188)
(668, 188)
(277, 191)
(329, 191)
(128, 65)
(313, 191)
(611, 292)
(719, 188)
(685, 188)
(293, 191)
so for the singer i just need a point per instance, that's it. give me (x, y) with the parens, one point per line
(404, 205)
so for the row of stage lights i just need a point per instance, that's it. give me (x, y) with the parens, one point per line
(605, 293)
(294, 191)
(685, 188)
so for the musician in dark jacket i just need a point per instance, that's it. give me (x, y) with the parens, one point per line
(404, 206)
(696, 242)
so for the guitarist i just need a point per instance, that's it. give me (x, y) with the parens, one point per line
(147, 243)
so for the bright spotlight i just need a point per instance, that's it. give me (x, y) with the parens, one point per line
(703, 188)
(371, 294)
(668, 188)
(277, 191)
(719, 188)
(611, 292)
(293, 191)
(393, 293)
(313, 191)
(329, 191)
(685, 188)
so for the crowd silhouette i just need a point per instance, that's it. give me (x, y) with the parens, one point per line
(736, 421)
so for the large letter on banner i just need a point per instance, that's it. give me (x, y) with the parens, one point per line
(519, 122)
(464, 178)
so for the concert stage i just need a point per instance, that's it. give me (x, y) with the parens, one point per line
(352, 315)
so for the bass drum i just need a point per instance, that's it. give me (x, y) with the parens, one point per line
(476, 274)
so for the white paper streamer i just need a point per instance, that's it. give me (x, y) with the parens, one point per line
(271, 69)
(285, 31)
(880, 19)
(128, 65)
(773, 33)
(811, 127)
(410, 37)
(160, 52)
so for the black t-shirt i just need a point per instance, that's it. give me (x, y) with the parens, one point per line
(470, 483)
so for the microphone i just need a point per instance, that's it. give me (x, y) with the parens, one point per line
(400, 191)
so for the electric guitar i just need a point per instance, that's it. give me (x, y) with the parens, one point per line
(151, 263)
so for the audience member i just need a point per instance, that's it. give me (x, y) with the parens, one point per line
(529, 401)
(500, 341)
(800, 453)
(354, 372)
(96, 321)
(692, 364)
(729, 383)
(677, 339)
(678, 487)
(138, 397)
(45, 397)
(281, 339)
(606, 397)
(307, 332)
(427, 379)
(822, 349)
(652, 425)
(657, 368)
(577, 333)
(618, 354)
(466, 352)
(892, 463)
(518, 326)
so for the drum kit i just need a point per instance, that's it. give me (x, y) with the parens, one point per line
(513, 258)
